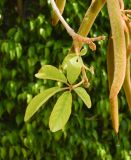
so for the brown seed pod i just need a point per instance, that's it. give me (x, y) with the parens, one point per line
(127, 81)
(110, 70)
(115, 114)
(119, 47)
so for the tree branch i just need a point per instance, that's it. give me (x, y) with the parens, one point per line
(89, 18)
(71, 32)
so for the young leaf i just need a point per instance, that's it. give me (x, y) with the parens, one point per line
(83, 51)
(84, 96)
(67, 58)
(74, 69)
(51, 72)
(39, 100)
(61, 112)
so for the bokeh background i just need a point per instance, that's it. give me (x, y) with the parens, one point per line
(28, 41)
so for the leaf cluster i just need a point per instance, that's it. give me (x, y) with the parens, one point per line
(62, 109)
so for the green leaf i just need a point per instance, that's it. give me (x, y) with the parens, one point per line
(18, 35)
(39, 100)
(83, 51)
(74, 69)
(51, 72)
(18, 49)
(67, 58)
(81, 92)
(61, 112)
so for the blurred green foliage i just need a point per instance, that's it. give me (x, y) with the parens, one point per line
(27, 43)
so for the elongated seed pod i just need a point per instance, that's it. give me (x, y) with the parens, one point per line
(61, 5)
(110, 61)
(121, 3)
(115, 113)
(127, 81)
(110, 71)
(119, 47)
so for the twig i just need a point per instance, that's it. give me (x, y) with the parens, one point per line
(78, 84)
(87, 22)
(67, 27)
(84, 77)
(71, 32)
(127, 11)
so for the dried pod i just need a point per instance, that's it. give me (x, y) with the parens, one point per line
(127, 81)
(61, 5)
(119, 47)
(114, 101)
(115, 113)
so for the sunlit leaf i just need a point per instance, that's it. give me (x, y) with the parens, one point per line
(61, 112)
(81, 92)
(39, 100)
(67, 58)
(73, 69)
(51, 72)
(18, 50)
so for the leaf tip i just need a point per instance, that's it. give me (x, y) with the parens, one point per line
(26, 119)
(52, 128)
(37, 75)
(89, 106)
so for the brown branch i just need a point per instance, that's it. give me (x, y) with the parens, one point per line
(71, 32)
(88, 20)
